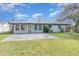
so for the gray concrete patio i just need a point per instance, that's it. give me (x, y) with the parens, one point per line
(18, 37)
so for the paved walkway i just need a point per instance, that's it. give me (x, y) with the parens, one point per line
(16, 37)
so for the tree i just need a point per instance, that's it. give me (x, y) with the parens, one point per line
(46, 29)
(71, 11)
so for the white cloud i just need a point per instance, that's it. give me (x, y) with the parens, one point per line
(7, 7)
(54, 13)
(60, 4)
(37, 14)
(11, 6)
(37, 17)
(20, 16)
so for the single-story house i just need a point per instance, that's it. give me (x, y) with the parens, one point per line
(37, 27)
(4, 27)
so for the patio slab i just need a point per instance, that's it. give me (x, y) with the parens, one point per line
(18, 37)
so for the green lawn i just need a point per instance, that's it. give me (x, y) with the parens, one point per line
(64, 44)
(2, 36)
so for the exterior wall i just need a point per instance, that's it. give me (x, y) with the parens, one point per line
(0, 28)
(29, 28)
(38, 29)
(64, 28)
(4, 27)
(20, 31)
(55, 28)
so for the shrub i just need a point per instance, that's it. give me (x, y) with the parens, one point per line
(46, 29)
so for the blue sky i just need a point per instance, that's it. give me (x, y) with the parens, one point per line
(48, 11)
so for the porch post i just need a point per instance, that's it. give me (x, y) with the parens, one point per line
(20, 27)
(66, 28)
(42, 27)
(14, 27)
(38, 27)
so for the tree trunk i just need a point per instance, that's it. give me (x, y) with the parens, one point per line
(76, 27)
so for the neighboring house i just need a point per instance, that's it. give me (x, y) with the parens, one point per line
(69, 21)
(4, 27)
(37, 27)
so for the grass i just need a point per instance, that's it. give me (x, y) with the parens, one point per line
(67, 35)
(66, 44)
(2, 36)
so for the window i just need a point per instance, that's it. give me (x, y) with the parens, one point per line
(17, 26)
(35, 27)
(40, 27)
(22, 27)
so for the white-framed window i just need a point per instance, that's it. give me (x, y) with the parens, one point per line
(40, 27)
(35, 27)
(17, 27)
(22, 27)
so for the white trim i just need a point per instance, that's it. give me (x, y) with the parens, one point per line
(54, 28)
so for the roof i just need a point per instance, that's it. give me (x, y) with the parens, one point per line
(28, 22)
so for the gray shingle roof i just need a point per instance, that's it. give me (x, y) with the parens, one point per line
(33, 22)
